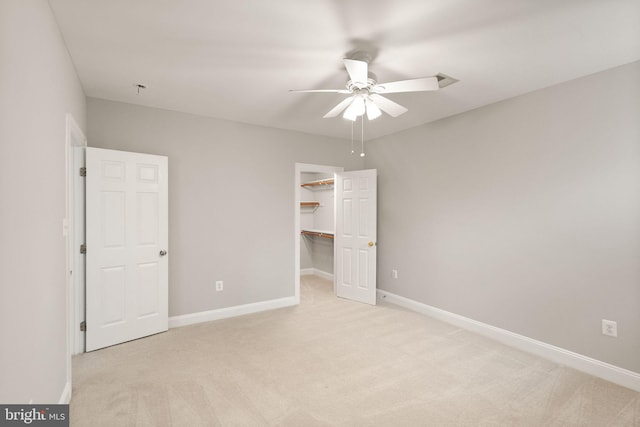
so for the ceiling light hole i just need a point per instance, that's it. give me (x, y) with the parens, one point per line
(140, 87)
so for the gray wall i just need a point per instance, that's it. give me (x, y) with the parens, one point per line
(322, 254)
(524, 214)
(38, 86)
(231, 198)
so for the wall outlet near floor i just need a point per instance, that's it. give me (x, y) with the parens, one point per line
(219, 285)
(609, 327)
(394, 273)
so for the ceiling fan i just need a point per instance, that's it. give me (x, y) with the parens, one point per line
(367, 92)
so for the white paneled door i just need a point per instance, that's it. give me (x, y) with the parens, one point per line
(127, 252)
(355, 235)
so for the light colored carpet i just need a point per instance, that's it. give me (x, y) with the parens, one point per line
(334, 362)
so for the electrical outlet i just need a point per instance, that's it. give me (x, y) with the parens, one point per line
(609, 327)
(394, 274)
(219, 285)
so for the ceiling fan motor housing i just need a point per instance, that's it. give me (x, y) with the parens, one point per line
(371, 82)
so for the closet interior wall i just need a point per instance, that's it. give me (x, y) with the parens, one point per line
(316, 253)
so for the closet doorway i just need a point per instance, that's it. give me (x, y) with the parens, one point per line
(316, 214)
(335, 229)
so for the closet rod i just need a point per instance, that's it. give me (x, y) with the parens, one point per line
(317, 183)
(317, 234)
(310, 204)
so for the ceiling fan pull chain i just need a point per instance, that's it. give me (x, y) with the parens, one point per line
(352, 150)
(362, 135)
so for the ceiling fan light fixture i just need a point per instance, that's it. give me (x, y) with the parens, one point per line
(359, 105)
(357, 108)
(373, 112)
(349, 115)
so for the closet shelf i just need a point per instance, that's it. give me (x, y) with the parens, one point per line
(309, 204)
(317, 233)
(323, 183)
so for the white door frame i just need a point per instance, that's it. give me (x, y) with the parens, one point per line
(301, 168)
(73, 229)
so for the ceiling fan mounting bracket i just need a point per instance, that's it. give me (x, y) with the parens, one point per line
(362, 55)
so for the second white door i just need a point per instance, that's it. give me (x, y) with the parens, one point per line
(127, 246)
(355, 235)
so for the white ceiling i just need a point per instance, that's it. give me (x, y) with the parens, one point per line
(237, 59)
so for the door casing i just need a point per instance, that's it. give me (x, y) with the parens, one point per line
(73, 230)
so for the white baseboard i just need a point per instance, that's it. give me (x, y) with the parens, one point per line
(558, 355)
(316, 272)
(65, 397)
(223, 313)
(307, 271)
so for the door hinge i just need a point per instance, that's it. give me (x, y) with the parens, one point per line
(83, 249)
(83, 171)
(83, 326)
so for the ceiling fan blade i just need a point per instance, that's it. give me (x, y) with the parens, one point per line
(388, 106)
(413, 85)
(320, 91)
(358, 72)
(338, 108)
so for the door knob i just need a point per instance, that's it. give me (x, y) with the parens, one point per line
(163, 252)
(371, 244)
